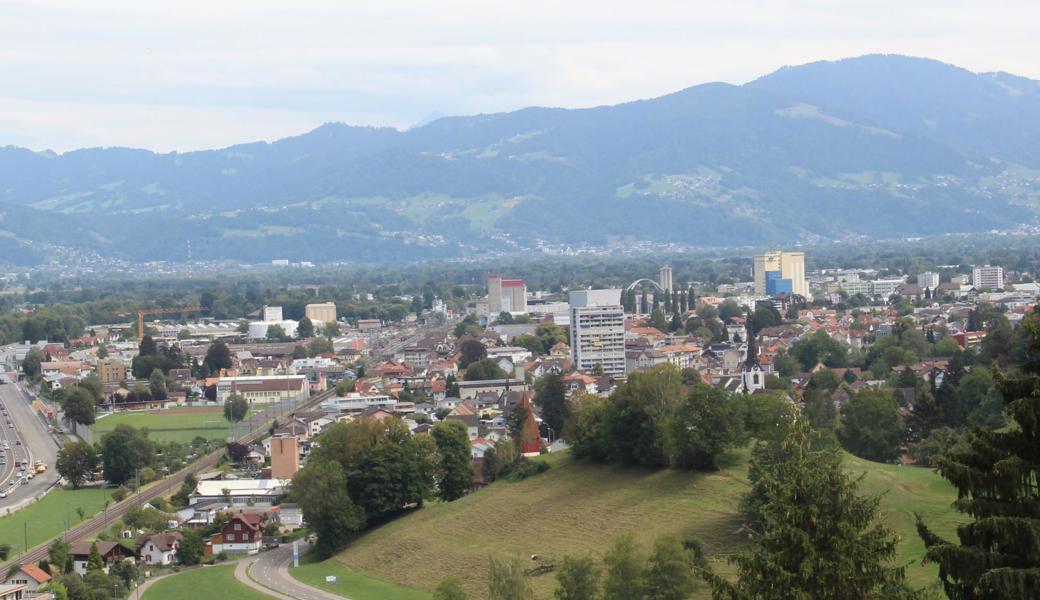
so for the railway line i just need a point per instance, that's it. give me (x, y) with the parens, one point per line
(94, 525)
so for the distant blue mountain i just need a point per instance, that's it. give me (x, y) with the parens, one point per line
(875, 146)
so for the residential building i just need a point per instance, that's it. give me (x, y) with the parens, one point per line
(928, 280)
(264, 389)
(285, 456)
(111, 553)
(784, 266)
(988, 277)
(159, 549)
(506, 295)
(885, 287)
(13, 591)
(243, 533)
(111, 370)
(30, 576)
(356, 402)
(598, 331)
(322, 313)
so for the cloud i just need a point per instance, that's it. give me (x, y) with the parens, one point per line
(204, 74)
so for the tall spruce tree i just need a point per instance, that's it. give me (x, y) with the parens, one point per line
(820, 538)
(996, 475)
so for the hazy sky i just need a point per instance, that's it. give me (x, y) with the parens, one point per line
(186, 75)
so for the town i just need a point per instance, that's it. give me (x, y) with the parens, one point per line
(201, 440)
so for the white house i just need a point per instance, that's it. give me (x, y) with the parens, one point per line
(160, 549)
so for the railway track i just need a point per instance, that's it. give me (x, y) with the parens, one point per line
(98, 523)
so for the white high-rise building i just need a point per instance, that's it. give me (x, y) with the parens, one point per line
(928, 280)
(989, 277)
(598, 331)
(785, 269)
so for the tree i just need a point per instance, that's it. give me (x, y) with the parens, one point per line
(450, 588)
(706, 423)
(320, 488)
(218, 356)
(237, 451)
(386, 480)
(577, 578)
(658, 320)
(147, 347)
(276, 333)
(76, 461)
(470, 351)
(636, 416)
(330, 330)
(58, 554)
(669, 573)
(451, 387)
(304, 329)
(820, 538)
(551, 397)
(94, 560)
(79, 406)
(870, 426)
(995, 473)
(485, 368)
(157, 384)
(31, 363)
(729, 309)
(5, 551)
(588, 428)
(456, 466)
(625, 572)
(192, 547)
(506, 579)
(530, 342)
(102, 352)
(124, 450)
(235, 408)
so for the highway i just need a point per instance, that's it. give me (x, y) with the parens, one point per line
(169, 485)
(28, 440)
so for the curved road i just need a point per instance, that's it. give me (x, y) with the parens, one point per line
(95, 525)
(271, 571)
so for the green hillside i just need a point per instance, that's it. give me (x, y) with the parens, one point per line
(578, 507)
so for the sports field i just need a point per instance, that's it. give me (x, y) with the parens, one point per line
(171, 425)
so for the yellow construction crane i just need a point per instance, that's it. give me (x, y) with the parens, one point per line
(159, 311)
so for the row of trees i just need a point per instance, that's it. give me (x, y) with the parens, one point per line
(652, 420)
(368, 471)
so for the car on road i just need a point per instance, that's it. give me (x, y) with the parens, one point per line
(3, 494)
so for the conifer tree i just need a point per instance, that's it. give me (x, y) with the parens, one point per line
(996, 474)
(820, 538)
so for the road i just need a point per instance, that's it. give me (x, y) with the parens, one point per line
(271, 570)
(29, 441)
(94, 525)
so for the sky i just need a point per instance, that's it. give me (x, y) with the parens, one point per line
(190, 75)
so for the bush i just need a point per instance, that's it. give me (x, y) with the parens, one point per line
(523, 468)
(120, 493)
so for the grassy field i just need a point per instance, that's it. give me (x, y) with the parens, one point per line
(46, 518)
(357, 586)
(207, 583)
(579, 508)
(173, 425)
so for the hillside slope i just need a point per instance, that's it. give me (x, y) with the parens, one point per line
(577, 508)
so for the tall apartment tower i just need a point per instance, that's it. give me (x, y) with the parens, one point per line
(987, 276)
(506, 295)
(779, 272)
(598, 331)
(928, 280)
(665, 278)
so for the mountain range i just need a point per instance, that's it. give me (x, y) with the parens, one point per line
(878, 146)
